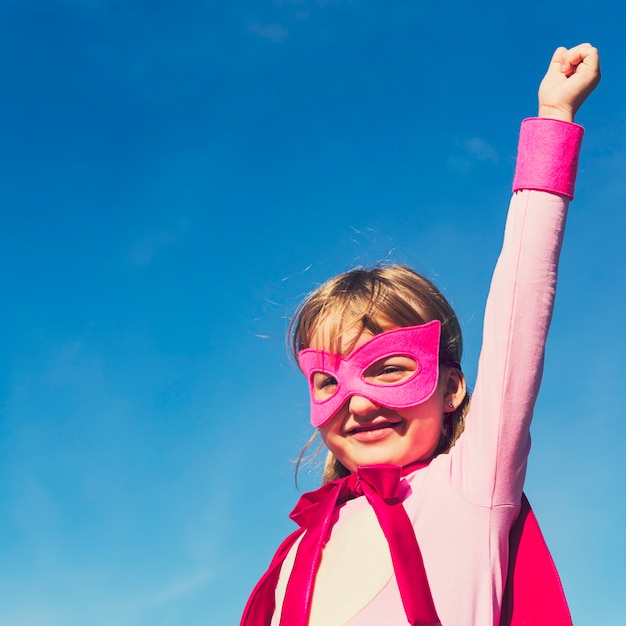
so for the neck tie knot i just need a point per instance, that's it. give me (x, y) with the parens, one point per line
(382, 479)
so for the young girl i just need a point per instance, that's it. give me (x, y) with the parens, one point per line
(422, 519)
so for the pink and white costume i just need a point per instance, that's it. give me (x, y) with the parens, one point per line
(462, 506)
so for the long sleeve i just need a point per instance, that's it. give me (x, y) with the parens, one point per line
(490, 462)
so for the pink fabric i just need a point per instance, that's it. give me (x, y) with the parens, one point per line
(261, 603)
(421, 343)
(548, 156)
(463, 505)
(315, 514)
(381, 486)
(533, 594)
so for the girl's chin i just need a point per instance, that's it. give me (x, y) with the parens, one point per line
(374, 457)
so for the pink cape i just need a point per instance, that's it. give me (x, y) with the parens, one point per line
(533, 595)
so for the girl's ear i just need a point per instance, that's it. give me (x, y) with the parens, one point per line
(455, 390)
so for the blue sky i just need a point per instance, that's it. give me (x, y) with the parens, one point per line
(175, 177)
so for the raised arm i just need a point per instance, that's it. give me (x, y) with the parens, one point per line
(490, 462)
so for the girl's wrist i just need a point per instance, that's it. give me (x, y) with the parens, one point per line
(565, 115)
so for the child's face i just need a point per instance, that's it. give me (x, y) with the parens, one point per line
(365, 433)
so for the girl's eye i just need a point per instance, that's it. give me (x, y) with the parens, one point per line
(324, 386)
(390, 370)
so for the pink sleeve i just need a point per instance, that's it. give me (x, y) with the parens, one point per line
(489, 465)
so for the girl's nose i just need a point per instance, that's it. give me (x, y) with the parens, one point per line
(358, 405)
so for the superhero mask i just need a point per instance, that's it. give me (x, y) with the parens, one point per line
(419, 343)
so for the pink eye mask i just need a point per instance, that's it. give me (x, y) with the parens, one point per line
(420, 343)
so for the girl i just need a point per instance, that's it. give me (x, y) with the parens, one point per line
(443, 526)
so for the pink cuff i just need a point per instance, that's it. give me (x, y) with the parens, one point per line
(547, 157)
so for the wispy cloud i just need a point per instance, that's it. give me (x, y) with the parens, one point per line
(471, 151)
(127, 606)
(283, 15)
(273, 32)
(480, 149)
(145, 249)
(29, 617)
(177, 589)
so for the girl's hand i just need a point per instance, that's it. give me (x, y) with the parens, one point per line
(572, 75)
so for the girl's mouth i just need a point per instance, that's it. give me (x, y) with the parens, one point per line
(372, 432)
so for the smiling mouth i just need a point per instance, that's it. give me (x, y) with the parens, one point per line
(372, 428)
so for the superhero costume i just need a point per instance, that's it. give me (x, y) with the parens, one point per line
(463, 505)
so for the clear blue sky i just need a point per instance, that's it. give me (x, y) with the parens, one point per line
(175, 176)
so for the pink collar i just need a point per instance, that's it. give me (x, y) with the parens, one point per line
(315, 514)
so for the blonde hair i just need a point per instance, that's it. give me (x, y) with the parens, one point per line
(361, 298)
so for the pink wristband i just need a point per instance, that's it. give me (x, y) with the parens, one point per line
(547, 157)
